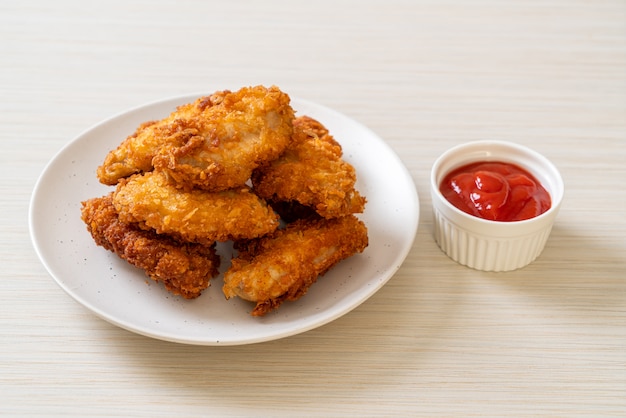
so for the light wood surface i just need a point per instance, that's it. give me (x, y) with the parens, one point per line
(439, 339)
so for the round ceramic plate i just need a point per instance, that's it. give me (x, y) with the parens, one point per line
(124, 296)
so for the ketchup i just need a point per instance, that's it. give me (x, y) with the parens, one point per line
(496, 191)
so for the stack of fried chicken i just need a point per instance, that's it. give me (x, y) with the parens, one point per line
(230, 167)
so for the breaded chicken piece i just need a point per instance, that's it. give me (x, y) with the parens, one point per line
(197, 216)
(184, 269)
(135, 153)
(213, 143)
(234, 136)
(283, 266)
(311, 172)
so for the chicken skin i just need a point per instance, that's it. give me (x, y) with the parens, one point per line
(184, 268)
(213, 143)
(196, 216)
(283, 265)
(312, 173)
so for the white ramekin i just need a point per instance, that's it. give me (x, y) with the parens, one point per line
(492, 245)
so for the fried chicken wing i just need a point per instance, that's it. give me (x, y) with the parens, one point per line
(198, 216)
(311, 172)
(282, 266)
(185, 269)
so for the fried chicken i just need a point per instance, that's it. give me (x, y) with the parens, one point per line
(135, 153)
(282, 266)
(185, 269)
(198, 216)
(213, 143)
(311, 172)
(230, 167)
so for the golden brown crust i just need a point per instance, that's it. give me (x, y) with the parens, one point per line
(245, 129)
(182, 183)
(283, 265)
(136, 152)
(195, 215)
(213, 143)
(311, 172)
(185, 269)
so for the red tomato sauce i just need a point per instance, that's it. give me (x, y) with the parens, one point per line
(496, 191)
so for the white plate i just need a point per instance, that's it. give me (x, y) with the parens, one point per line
(122, 295)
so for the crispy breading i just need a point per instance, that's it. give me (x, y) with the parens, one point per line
(283, 265)
(135, 153)
(185, 269)
(245, 129)
(311, 172)
(213, 143)
(153, 202)
(220, 169)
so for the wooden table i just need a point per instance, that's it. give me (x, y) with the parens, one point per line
(438, 339)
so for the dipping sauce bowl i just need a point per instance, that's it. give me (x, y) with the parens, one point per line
(486, 244)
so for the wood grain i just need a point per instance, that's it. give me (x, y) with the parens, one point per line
(439, 339)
